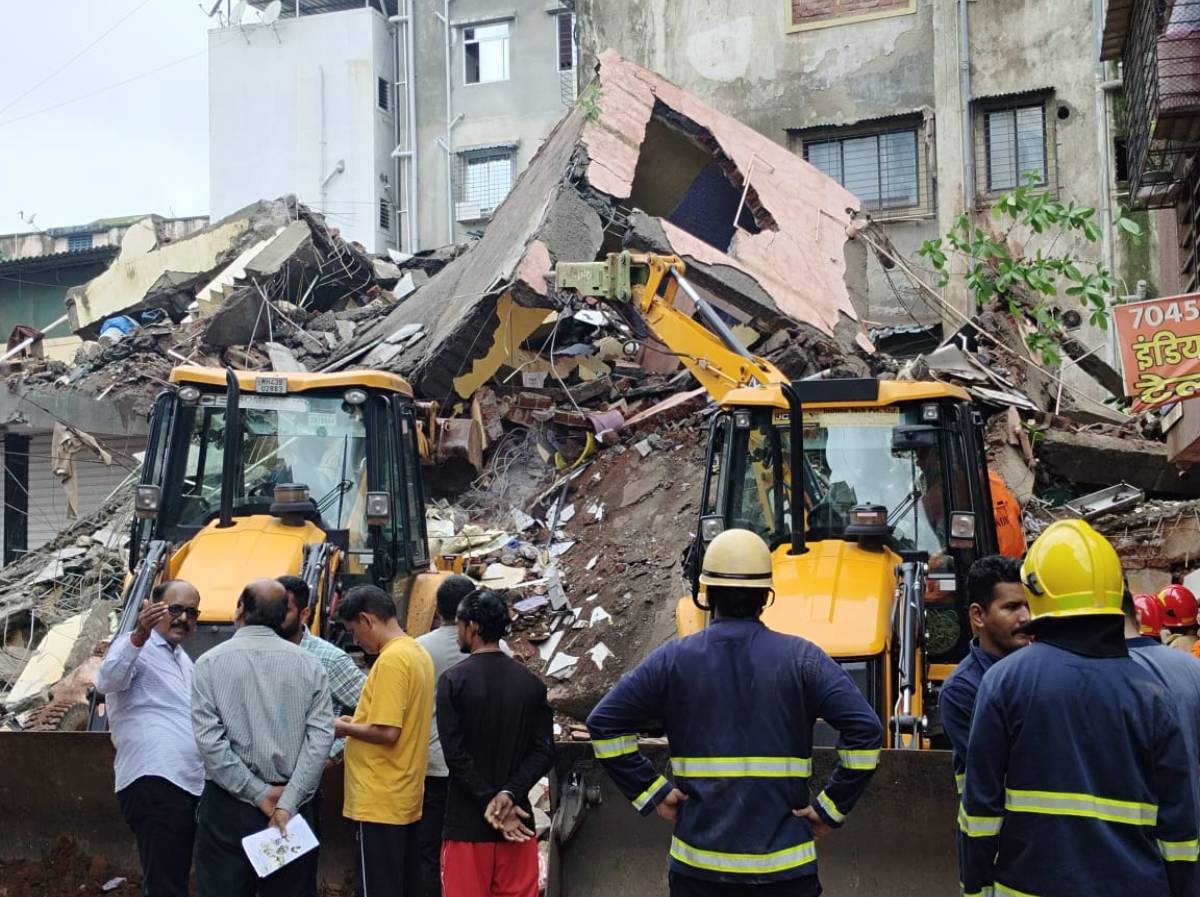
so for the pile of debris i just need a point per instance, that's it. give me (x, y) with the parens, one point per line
(57, 609)
(269, 287)
(582, 434)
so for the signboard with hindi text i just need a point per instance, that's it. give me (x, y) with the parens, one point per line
(1160, 349)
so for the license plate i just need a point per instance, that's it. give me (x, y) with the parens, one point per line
(271, 385)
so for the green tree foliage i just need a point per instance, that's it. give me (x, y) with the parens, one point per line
(1029, 282)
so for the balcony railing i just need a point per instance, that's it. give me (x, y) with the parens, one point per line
(1162, 98)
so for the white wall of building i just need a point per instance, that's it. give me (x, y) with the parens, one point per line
(288, 102)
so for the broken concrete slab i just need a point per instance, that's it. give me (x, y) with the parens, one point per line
(283, 360)
(48, 662)
(151, 273)
(294, 242)
(1094, 459)
(781, 254)
(239, 320)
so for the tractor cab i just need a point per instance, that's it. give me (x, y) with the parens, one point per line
(250, 475)
(894, 477)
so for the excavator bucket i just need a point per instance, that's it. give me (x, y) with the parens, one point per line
(899, 841)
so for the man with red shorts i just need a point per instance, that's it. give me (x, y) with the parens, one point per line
(497, 736)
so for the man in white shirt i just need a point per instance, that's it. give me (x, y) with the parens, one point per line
(146, 679)
(442, 644)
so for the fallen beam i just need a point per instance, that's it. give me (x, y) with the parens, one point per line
(1095, 460)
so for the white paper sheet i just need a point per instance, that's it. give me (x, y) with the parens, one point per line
(268, 851)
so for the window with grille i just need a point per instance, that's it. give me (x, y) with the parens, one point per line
(79, 242)
(484, 179)
(882, 170)
(1015, 139)
(485, 53)
(384, 95)
(385, 214)
(566, 41)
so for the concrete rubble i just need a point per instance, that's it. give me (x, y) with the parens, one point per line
(570, 444)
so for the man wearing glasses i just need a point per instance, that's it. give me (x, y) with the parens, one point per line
(146, 679)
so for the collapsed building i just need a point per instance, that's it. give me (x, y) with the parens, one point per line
(569, 441)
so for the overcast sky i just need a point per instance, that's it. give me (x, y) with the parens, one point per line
(109, 148)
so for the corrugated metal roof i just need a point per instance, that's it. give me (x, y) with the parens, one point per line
(58, 259)
(316, 7)
(1117, 16)
(1021, 92)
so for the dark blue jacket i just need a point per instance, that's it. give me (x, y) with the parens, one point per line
(1180, 675)
(738, 702)
(1077, 783)
(956, 704)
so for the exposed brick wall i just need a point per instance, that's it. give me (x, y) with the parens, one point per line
(808, 12)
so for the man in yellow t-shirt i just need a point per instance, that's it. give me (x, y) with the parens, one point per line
(387, 743)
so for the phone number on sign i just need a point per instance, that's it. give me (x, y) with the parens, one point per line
(1156, 315)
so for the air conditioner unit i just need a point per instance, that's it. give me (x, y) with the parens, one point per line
(467, 211)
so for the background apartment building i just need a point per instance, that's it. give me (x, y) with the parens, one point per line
(404, 121)
(923, 108)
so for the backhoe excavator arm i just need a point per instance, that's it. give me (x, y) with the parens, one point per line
(649, 284)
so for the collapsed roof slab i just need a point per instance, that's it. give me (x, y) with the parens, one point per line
(645, 145)
(149, 273)
(470, 309)
(793, 243)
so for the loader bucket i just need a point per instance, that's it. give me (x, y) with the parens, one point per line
(899, 841)
(56, 784)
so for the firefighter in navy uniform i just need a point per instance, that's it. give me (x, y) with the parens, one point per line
(1078, 783)
(738, 702)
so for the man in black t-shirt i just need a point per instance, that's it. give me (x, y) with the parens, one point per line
(496, 730)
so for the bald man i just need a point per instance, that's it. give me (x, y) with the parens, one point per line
(146, 680)
(263, 719)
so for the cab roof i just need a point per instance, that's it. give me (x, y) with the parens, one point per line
(296, 382)
(847, 393)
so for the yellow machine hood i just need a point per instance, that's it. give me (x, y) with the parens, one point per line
(219, 562)
(836, 595)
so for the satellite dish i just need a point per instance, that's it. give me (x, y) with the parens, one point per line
(239, 9)
(270, 15)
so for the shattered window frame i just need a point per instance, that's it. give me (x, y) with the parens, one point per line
(79, 242)
(486, 46)
(900, 160)
(1035, 135)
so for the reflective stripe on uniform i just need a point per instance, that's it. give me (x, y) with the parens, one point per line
(607, 748)
(958, 782)
(639, 802)
(744, 863)
(999, 889)
(737, 767)
(978, 826)
(1087, 806)
(859, 759)
(1179, 851)
(982, 892)
(830, 808)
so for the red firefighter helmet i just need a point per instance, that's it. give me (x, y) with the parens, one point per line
(1149, 614)
(1179, 606)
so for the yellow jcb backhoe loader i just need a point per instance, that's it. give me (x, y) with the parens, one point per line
(259, 475)
(870, 545)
